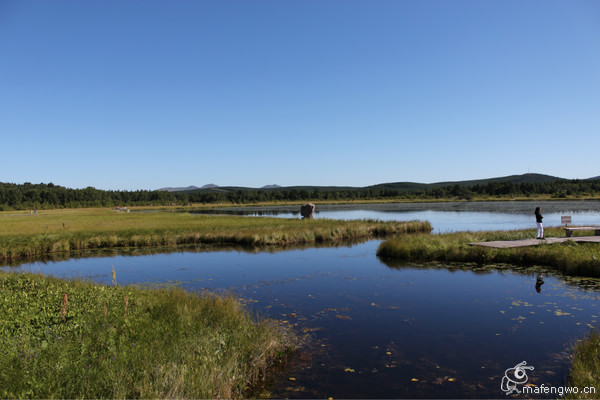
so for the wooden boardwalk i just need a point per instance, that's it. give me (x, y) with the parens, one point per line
(507, 244)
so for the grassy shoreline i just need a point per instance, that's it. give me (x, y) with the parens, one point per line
(25, 235)
(72, 339)
(579, 259)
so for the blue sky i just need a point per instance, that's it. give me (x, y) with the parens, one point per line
(146, 94)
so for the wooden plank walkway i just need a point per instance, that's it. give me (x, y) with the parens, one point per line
(507, 244)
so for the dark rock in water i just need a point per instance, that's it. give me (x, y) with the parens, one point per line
(307, 210)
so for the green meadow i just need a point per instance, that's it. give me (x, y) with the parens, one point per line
(23, 234)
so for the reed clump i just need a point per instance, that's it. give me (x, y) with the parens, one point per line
(127, 342)
(25, 236)
(585, 367)
(571, 258)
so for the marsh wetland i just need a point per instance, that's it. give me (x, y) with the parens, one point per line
(379, 328)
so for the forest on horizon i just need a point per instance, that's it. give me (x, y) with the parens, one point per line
(48, 196)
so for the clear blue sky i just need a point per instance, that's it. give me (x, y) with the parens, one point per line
(146, 94)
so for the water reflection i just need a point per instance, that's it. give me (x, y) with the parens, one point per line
(194, 248)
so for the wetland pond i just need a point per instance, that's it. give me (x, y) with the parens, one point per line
(380, 329)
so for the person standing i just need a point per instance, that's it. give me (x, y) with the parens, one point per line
(540, 225)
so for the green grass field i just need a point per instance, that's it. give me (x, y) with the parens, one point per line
(23, 234)
(64, 339)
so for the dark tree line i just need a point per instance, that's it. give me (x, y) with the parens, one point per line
(13, 196)
(557, 189)
(40, 196)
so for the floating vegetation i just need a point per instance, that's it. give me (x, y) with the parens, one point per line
(560, 313)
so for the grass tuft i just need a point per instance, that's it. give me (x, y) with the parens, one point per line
(585, 367)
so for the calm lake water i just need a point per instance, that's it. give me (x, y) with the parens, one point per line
(445, 217)
(379, 330)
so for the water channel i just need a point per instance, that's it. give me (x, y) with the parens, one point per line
(381, 329)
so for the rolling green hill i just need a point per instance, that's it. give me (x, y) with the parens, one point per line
(412, 186)
(401, 186)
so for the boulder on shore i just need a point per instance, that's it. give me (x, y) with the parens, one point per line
(307, 210)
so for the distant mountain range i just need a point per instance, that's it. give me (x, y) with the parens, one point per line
(403, 186)
(186, 189)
